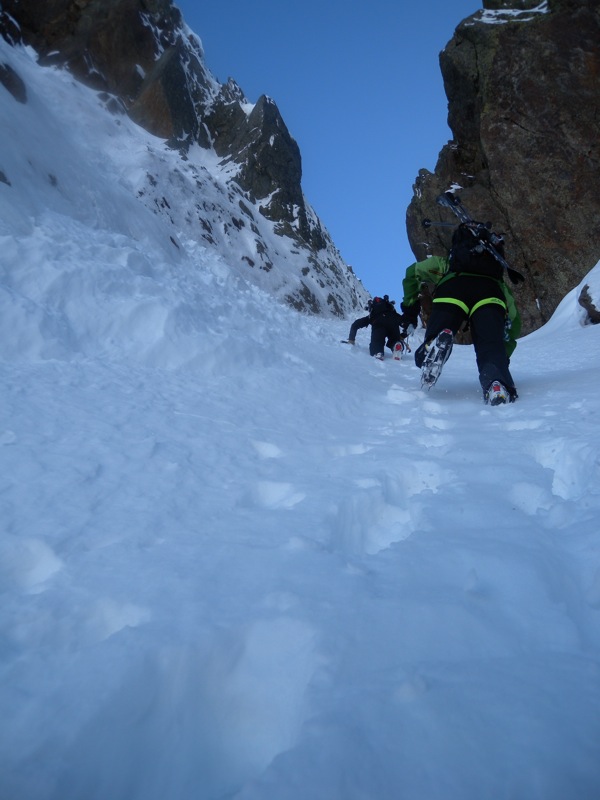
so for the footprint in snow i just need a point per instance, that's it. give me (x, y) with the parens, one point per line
(341, 451)
(437, 423)
(382, 513)
(574, 463)
(267, 450)
(432, 440)
(530, 498)
(110, 617)
(28, 563)
(436, 417)
(273, 494)
(399, 396)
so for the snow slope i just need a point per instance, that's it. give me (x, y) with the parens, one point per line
(67, 161)
(239, 559)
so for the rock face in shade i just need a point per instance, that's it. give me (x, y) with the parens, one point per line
(151, 66)
(523, 86)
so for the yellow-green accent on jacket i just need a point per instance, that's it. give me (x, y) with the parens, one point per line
(434, 270)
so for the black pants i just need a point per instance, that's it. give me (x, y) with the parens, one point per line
(385, 327)
(481, 301)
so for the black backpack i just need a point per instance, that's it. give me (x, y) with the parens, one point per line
(468, 254)
(380, 306)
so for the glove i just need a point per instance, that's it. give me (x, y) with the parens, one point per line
(411, 314)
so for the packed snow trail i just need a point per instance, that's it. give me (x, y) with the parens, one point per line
(289, 572)
(241, 560)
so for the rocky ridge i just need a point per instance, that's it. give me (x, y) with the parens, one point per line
(144, 62)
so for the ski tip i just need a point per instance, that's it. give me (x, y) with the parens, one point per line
(448, 198)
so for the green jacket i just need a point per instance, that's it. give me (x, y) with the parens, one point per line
(433, 270)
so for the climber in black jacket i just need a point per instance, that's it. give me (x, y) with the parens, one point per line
(385, 327)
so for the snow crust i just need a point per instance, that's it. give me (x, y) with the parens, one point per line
(503, 15)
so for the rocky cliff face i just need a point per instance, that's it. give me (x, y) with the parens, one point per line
(523, 85)
(145, 62)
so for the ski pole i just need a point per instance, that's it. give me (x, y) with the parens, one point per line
(427, 223)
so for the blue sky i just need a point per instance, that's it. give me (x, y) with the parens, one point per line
(360, 89)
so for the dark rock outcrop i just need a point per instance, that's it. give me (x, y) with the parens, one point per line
(149, 64)
(523, 86)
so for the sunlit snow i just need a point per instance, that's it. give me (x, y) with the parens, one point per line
(503, 15)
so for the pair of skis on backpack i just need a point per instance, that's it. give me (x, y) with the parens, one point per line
(451, 201)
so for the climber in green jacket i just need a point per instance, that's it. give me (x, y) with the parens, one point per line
(468, 287)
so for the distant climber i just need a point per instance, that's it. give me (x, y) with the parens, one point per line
(384, 320)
